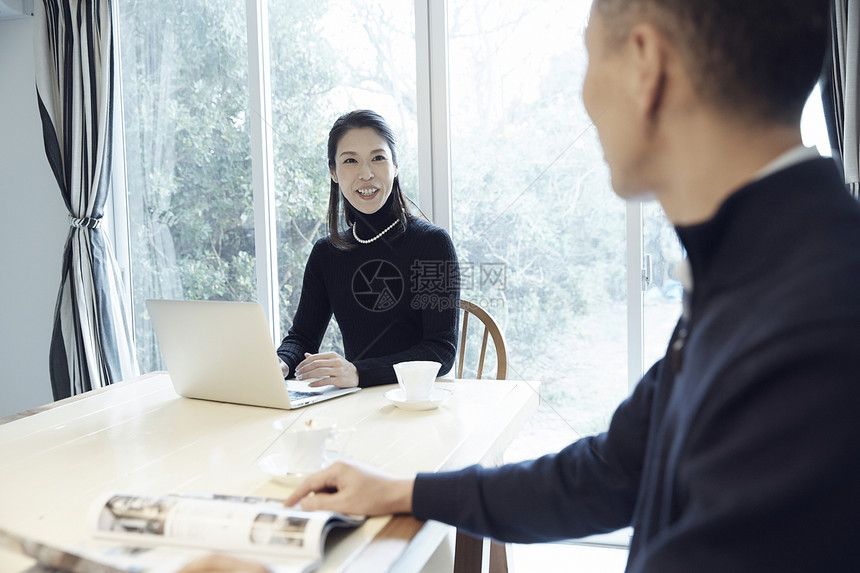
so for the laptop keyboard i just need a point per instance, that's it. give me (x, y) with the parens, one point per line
(299, 395)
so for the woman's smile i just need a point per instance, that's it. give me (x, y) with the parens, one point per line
(364, 169)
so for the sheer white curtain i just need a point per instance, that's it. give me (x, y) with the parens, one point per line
(91, 344)
(839, 89)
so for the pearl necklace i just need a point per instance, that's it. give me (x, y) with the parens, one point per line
(366, 241)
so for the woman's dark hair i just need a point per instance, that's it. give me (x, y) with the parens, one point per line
(354, 120)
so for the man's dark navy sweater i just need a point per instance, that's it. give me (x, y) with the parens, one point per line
(740, 450)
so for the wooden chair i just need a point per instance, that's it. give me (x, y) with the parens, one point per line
(491, 329)
(469, 549)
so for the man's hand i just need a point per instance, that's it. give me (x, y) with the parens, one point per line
(331, 367)
(354, 489)
(345, 488)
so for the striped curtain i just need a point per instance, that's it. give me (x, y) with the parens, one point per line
(839, 89)
(91, 344)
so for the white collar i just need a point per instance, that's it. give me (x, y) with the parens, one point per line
(791, 157)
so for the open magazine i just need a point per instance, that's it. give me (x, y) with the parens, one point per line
(157, 534)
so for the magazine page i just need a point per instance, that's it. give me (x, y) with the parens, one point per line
(159, 534)
(94, 556)
(169, 559)
(251, 525)
(54, 557)
(100, 556)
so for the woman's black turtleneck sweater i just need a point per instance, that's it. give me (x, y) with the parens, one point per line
(394, 299)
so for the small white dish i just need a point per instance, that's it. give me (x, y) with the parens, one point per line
(277, 468)
(437, 396)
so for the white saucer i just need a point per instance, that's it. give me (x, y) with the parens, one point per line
(276, 466)
(398, 398)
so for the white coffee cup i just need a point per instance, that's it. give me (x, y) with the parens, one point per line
(417, 378)
(303, 446)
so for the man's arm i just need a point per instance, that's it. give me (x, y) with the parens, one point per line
(589, 487)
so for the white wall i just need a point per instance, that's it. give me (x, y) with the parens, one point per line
(33, 229)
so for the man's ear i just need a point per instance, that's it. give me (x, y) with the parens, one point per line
(649, 57)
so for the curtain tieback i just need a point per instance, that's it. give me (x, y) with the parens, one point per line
(85, 222)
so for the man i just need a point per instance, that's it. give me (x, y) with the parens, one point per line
(740, 450)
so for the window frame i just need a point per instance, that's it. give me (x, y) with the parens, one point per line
(263, 162)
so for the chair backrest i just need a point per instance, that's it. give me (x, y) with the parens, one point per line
(491, 329)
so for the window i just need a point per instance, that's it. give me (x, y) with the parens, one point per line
(187, 122)
(539, 232)
(188, 156)
(328, 58)
(662, 289)
(536, 221)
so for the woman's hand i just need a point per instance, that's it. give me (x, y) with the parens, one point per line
(354, 489)
(331, 366)
(285, 368)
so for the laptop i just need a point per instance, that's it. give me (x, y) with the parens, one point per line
(222, 351)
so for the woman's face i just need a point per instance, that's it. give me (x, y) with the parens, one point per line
(364, 169)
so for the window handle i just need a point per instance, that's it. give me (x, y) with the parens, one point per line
(647, 276)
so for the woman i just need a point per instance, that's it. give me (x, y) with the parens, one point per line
(390, 279)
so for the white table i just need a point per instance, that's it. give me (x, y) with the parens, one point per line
(139, 436)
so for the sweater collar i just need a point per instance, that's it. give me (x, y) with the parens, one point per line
(369, 225)
(753, 226)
